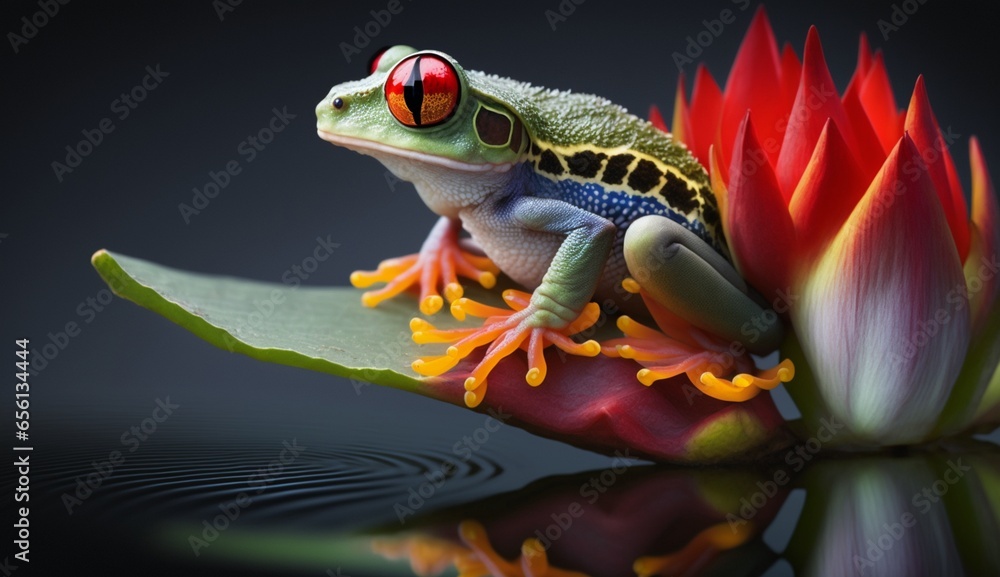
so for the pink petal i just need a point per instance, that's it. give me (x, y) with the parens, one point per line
(875, 320)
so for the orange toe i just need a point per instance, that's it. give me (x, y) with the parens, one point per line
(505, 331)
(434, 270)
(710, 363)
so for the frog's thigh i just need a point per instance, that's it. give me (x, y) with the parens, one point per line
(687, 276)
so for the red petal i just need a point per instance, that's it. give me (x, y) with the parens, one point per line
(831, 187)
(760, 230)
(791, 74)
(864, 64)
(657, 119)
(756, 71)
(719, 173)
(816, 101)
(869, 153)
(923, 128)
(986, 217)
(682, 117)
(706, 106)
(880, 105)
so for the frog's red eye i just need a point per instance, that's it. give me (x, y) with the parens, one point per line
(422, 90)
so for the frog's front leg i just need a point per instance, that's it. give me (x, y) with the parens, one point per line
(709, 319)
(438, 265)
(559, 306)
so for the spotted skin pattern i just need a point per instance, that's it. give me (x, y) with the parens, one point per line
(594, 182)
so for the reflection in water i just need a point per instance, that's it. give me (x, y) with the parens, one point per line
(922, 514)
(333, 512)
(621, 521)
(919, 515)
(430, 556)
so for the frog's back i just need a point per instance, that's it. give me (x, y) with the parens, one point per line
(592, 153)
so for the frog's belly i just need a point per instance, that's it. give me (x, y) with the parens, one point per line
(525, 255)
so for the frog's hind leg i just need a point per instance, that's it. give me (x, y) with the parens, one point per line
(709, 320)
(691, 279)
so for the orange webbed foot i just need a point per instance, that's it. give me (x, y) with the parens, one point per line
(705, 547)
(505, 331)
(438, 266)
(719, 369)
(483, 560)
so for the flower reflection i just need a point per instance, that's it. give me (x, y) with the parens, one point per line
(911, 516)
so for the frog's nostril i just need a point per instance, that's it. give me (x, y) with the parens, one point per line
(338, 103)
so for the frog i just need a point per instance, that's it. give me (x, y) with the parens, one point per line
(571, 197)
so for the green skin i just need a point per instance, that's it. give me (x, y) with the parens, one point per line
(566, 253)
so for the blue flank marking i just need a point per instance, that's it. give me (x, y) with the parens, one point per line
(617, 206)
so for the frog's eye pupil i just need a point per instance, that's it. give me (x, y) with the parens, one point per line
(373, 62)
(422, 90)
(338, 103)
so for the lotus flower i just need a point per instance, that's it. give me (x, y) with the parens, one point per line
(850, 212)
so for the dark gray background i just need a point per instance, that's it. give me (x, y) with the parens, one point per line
(224, 79)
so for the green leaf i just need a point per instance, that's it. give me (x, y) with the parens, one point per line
(323, 330)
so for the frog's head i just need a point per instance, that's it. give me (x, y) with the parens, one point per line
(418, 107)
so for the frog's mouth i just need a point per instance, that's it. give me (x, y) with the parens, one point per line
(377, 149)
